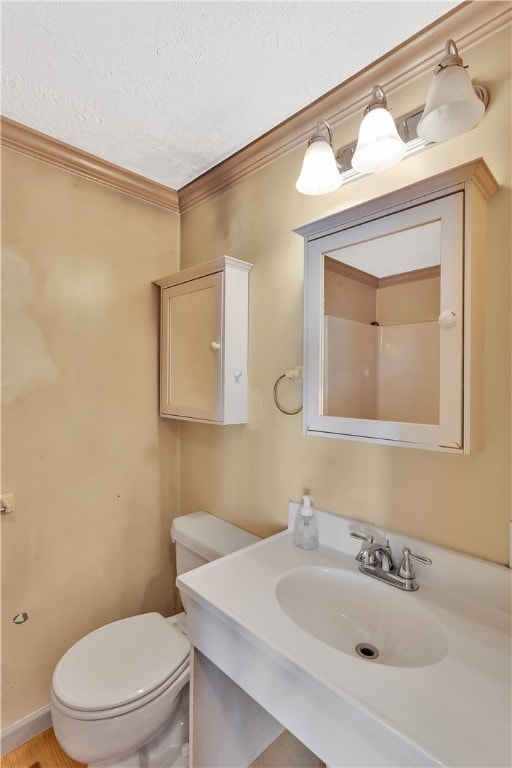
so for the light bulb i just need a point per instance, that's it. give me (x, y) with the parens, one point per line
(319, 174)
(452, 106)
(379, 146)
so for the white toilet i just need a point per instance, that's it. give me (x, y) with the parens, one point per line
(119, 696)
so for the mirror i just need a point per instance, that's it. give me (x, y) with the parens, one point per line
(384, 326)
(381, 330)
(394, 315)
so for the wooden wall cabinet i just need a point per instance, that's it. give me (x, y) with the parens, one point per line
(203, 342)
(410, 377)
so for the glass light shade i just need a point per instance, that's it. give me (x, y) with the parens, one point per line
(319, 174)
(379, 146)
(452, 106)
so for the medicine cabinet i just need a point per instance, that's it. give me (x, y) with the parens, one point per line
(203, 342)
(394, 316)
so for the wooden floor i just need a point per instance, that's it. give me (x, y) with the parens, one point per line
(287, 752)
(42, 751)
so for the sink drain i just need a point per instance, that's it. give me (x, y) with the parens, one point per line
(367, 651)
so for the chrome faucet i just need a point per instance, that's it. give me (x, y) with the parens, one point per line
(376, 560)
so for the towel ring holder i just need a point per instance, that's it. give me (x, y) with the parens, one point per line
(276, 401)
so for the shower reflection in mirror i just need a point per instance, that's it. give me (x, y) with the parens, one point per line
(381, 331)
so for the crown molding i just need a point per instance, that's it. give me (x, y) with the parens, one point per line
(366, 278)
(23, 139)
(351, 273)
(415, 276)
(468, 24)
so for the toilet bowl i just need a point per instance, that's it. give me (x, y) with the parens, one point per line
(119, 696)
(118, 687)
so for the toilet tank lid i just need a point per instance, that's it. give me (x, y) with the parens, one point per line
(208, 536)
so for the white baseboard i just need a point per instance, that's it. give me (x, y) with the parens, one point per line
(25, 729)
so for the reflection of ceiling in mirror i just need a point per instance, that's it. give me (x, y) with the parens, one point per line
(399, 252)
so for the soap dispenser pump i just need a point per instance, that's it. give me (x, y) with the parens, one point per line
(305, 531)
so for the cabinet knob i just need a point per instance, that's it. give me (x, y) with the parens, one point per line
(214, 346)
(447, 319)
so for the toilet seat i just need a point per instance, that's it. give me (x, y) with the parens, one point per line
(120, 667)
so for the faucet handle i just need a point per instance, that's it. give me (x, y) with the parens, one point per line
(406, 570)
(364, 556)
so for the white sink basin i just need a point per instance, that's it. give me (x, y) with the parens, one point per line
(437, 695)
(362, 617)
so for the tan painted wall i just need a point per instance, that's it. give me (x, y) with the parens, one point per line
(351, 368)
(408, 371)
(93, 467)
(247, 474)
(415, 302)
(349, 298)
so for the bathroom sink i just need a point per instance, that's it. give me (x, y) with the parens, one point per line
(362, 617)
(282, 624)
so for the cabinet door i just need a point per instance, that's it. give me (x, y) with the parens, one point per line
(191, 353)
(394, 376)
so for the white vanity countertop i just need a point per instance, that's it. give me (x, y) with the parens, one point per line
(457, 711)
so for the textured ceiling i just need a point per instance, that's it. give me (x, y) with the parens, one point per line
(169, 89)
(396, 253)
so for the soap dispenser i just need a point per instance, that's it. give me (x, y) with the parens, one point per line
(305, 531)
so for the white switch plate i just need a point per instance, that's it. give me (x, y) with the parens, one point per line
(7, 503)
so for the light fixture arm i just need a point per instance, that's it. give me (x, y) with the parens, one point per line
(319, 136)
(482, 93)
(451, 57)
(378, 101)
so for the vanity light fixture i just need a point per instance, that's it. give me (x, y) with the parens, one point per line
(387, 139)
(405, 127)
(379, 146)
(454, 105)
(320, 173)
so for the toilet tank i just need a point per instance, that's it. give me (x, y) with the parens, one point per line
(201, 538)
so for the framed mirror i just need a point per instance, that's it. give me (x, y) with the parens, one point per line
(385, 323)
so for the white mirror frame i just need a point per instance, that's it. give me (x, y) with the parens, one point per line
(458, 199)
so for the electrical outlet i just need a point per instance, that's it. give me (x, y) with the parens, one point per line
(7, 503)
